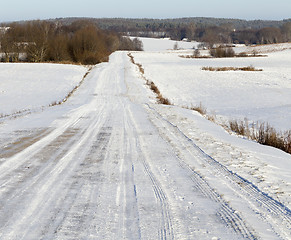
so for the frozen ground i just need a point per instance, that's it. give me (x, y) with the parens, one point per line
(109, 163)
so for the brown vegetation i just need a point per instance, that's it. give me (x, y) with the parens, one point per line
(225, 52)
(263, 133)
(222, 52)
(200, 108)
(209, 30)
(152, 86)
(160, 98)
(193, 56)
(81, 42)
(249, 68)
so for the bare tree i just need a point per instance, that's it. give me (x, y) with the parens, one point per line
(58, 48)
(38, 35)
(176, 46)
(286, 31)
(196, 53)
(88, 46)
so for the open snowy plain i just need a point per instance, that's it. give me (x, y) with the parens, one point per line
(110, 163)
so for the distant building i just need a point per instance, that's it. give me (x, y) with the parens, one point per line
(4, 29)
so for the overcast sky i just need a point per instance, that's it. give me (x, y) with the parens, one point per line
(43, 9)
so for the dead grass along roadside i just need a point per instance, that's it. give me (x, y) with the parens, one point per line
(160, 98)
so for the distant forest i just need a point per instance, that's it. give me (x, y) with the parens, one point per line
(210, 30)
(92, 40)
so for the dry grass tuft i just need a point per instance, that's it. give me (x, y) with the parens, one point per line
(192, 56)
(152, 86)
(200, 108)
(218, 69)
(131, 58)
(263, 133)
(140, 68)
(160, 98)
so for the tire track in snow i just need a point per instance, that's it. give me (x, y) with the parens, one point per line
(126, 195)
(75, 216)
(275, 214)
(226, 213)
(38, 166)
(25, 139)
(46, 185)
(13, 162)
(109, 163)
(166, 229)
(255, 197)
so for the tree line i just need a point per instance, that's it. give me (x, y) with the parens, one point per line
(210, 30)
(225, 33)
(82, 41)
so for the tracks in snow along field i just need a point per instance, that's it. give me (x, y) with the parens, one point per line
(114, 168)
(274, 214)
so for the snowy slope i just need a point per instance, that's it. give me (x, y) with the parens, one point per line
(26, 86)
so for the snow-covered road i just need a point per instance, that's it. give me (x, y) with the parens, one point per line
(107, 164)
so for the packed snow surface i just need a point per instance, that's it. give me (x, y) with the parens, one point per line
(110, 163)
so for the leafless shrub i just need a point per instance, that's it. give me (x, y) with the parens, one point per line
(287, 141)
(221, 52)
(242, 54)
(200, 108)
(211, 118)
(253, 54)
(125, 43)
(263, 133)
(193, 56)
(44, 41)
(240, 127)
(250, 68)
(196, 53)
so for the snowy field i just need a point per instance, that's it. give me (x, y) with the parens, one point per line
(158, 45)
(231, 95)
(111, 163)
(258, 96)
(30, 86)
